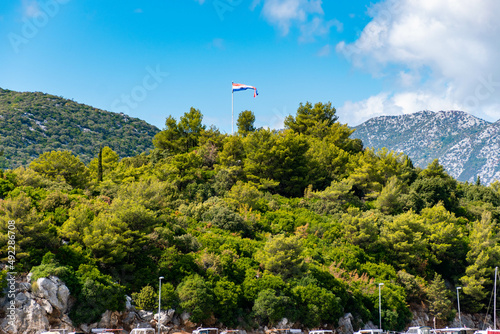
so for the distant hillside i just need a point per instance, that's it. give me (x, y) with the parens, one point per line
(34, 123)
(465, 145)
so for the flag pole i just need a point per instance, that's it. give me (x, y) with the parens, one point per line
(232, 109)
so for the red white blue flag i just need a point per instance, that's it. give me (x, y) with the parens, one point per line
(238, 87)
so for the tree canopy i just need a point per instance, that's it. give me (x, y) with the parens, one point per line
(249, 228)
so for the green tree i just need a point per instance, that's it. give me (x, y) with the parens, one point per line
(191, 126)
(244, 194)
(35, 235)
(434, 185)
(196, 297)
(406, 243)
(309, 119)
(484, 253)
(168, 139)
(233, 152)
(169, 297)
(108, 162)
(183, 136)
(439, 297)
(255, 282)
(279, 157)
(226, 295)
(282, 256)
(270, 306)
(146, 299)
(316, 305)
(61, 164)
(110, 239)
(98, 293)
(5, 187)
(326, 162)
(245, 122)
(447, 240)
(415, 286)
(389, 200)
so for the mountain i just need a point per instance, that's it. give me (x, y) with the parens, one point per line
(34, 123)
(465, 145)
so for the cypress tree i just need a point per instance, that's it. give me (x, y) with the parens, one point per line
(99, 165)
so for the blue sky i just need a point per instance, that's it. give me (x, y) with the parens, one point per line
(152, 59)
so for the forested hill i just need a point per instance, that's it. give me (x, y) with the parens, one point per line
(250, 228)
(34, 123)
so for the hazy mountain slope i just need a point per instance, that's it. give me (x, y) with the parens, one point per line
(465, 145)
(33, 123)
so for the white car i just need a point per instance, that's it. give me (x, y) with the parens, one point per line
(143, 331)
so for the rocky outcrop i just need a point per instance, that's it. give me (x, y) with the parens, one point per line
(40, 306)
(345, 324)
(46, 303)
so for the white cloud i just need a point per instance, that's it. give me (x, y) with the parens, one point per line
(405, 102)
(284, 13)
(201, 2)
(317, 27)
(449, 44)
(307, 15)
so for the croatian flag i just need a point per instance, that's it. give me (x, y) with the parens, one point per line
(238, 87)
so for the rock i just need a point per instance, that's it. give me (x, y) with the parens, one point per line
(86, 328)
(21, 299)
(24, 286)
(177, 321)
(165, 316)
(345, 324)
(128, 303)
(45, 304)
(185, 320)
(185, 316)
(284, 323)
(110, 319)
(130, 319)
(31, 317)
(55, 291)
(170, 315)
(145, 315)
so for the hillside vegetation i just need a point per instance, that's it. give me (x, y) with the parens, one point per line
(35, 123)
(253, 227)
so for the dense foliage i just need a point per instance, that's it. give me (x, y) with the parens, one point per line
(253, 227)
(35, 123)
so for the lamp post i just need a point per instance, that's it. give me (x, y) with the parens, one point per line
(458, 303)
(380, 306)
(159, 305)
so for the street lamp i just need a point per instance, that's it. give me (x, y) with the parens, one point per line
(458, 303)
(159, 305)
(380, 306)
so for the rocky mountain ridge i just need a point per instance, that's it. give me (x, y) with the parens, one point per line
(465, 145)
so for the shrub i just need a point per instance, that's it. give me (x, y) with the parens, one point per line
(146, 299)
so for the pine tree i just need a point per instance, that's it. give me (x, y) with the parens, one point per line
(439, 299)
